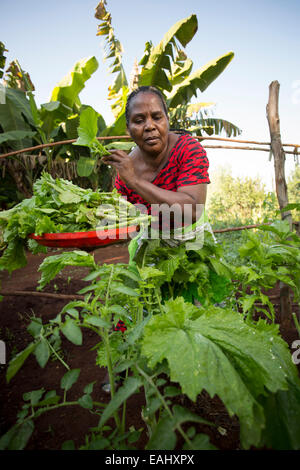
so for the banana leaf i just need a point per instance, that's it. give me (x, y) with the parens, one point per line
(68, 89)
(199, 80)
(15, 115)
(159, 57)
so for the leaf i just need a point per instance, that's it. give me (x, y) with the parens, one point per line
(15, 113)
(97, 321)
(88, 127)
(69, 379)
(34, 396)
(118, 309)
(13, 257)
(42, 352)
(52, 265)
(86, 401)
(85, 166)
(17, 362)
(68, 89)
(217, 352)
(19, 437)
(164, 436)
(200, 442)
(126, 146)
(182, 415)
(125, 290)
(72, 332)
(153, 72)
(199, 80)
(15, 135)
(131, 386)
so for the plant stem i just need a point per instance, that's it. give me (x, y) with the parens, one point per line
(297, 325)
(165, 405)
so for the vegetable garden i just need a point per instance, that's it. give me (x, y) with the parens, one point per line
(218, 372)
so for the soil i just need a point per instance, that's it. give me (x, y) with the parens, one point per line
(74, 423)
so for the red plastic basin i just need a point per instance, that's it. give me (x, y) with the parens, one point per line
(86, 239)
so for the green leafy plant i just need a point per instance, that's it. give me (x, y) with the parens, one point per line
(171, 347)
(57, 205)
(270, 255)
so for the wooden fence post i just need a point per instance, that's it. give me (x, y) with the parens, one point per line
(281, 189)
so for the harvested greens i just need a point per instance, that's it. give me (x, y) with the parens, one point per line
(59, 206)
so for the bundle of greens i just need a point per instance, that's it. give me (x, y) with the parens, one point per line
(59, 206)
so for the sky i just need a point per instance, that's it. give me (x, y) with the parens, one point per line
(48, 38)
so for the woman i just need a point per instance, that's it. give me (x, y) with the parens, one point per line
(165, 168)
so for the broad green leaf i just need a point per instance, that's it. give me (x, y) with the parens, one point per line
(217, 352)
(12, 114)
(153, 72)
(17, 361)
(88, 127)
(282, 419)
(69, 379)
(15, 135)
(199, 80)
(53, 112)
(52, 265)
(130, 387)
(68, 89)
(72, 332)
(85, 166)
(14, 256)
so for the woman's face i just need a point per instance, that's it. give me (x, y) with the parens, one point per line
(148, 123)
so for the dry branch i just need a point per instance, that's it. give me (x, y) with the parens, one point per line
(42, 294)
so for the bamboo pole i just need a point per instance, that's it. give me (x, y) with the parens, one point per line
(70, 141)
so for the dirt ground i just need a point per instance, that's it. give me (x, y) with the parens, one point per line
(74, 423)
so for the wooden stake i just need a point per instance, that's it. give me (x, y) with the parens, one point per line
(277, 150)
(281, 188)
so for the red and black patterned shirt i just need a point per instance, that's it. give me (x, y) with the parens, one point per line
(187, 165)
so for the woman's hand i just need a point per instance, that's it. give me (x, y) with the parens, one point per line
(123, 164)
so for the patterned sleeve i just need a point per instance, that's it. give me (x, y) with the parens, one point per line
(120, 186)
(193, 164)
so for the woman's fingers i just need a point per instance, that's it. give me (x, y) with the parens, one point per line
(116, 156)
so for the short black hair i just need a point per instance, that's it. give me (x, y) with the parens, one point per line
(144, 89)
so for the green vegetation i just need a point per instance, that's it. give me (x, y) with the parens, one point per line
(217, 346)
(60, 206)
(23, 124)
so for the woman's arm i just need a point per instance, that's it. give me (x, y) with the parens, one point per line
(185, 200)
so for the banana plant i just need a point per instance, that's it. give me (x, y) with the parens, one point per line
(167, 67)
